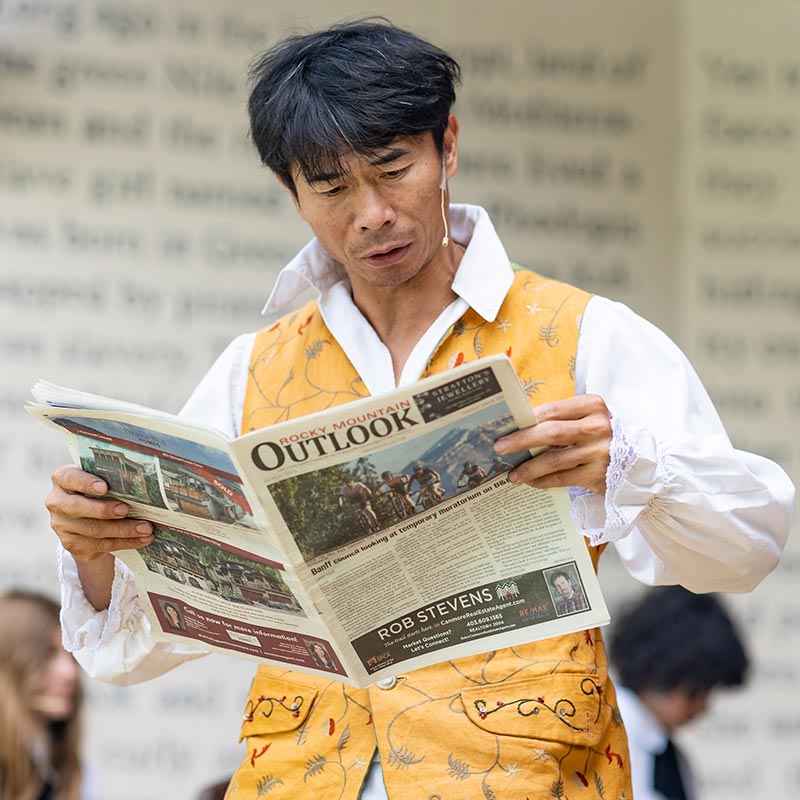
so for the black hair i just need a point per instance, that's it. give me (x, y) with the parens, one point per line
(671, 639)
(352, 88)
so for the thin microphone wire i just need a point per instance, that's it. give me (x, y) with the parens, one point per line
(443, 186)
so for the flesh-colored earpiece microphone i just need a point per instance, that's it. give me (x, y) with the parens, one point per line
(443, 187)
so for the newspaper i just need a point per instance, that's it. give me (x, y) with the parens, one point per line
(360, 542)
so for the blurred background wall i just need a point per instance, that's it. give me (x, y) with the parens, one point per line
(647, 150)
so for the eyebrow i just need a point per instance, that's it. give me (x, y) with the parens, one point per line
(391, 155)
(324, 177)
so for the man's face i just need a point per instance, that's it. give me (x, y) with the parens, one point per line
(382, 219)
(563, 586)
(676, 707)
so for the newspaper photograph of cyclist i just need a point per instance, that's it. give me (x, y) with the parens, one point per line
(335, 506)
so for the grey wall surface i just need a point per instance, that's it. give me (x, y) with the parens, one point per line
(647, 151)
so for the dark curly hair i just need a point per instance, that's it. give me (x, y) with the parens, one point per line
(671, 638)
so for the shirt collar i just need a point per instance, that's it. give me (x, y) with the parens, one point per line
(650, 733)
(482, 280)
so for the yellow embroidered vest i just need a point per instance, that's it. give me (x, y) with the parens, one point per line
(533, 721)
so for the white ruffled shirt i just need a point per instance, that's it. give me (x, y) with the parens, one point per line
(681, 505)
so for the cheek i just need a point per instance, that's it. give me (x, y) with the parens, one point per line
(330, 228)
(61, 674)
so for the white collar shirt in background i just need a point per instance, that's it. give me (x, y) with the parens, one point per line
(647, 739)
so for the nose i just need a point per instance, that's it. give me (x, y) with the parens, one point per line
(373, 210)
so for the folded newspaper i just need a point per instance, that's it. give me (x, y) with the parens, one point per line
(360, 542)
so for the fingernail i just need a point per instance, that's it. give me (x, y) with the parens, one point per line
(146, 540)
(513, 476)
(500, 446)
(99, 487)
(120, 509)
(144, 527)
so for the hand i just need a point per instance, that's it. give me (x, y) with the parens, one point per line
(88, 525)
(577, 432)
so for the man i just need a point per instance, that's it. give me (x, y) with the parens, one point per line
(672, 649)
(498, 466)
(355, 494)
(397, 487)
(356, 123)
(427, 480)
(472, 475)
(569, 599)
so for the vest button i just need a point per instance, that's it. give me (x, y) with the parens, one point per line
(387, 683)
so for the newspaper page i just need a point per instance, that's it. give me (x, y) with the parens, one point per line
(214, 576)
(360, 542)
(399, 519)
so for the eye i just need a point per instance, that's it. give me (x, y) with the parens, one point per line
(333, 191)
(396, 173)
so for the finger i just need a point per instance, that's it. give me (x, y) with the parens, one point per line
(71, 479)
(108, 529)
(574, 466)
(556, 433)
(563, 423)
(87, 549)
(571, 408)
(586, 476)
(68, 505)
(560, 460)
(68, 530)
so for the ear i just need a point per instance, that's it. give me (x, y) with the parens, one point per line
(450, 145)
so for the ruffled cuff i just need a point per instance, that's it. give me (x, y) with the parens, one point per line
(82, 625)
(635, 476)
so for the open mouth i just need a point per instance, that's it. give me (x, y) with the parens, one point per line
(388, 257)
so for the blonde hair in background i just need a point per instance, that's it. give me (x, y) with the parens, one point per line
(28, 743)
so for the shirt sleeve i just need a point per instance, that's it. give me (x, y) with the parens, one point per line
(116, 645)
(682, 505)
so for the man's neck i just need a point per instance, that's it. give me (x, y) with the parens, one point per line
(400, 315)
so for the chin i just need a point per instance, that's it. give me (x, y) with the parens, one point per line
(54, 709)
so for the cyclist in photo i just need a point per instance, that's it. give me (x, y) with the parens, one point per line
(356, 495)
(474, 475)
(398, 486)
(428, 480)
(498, 466)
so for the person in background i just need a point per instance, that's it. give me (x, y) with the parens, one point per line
(671, 649)
(40, 704)
(215, 791)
